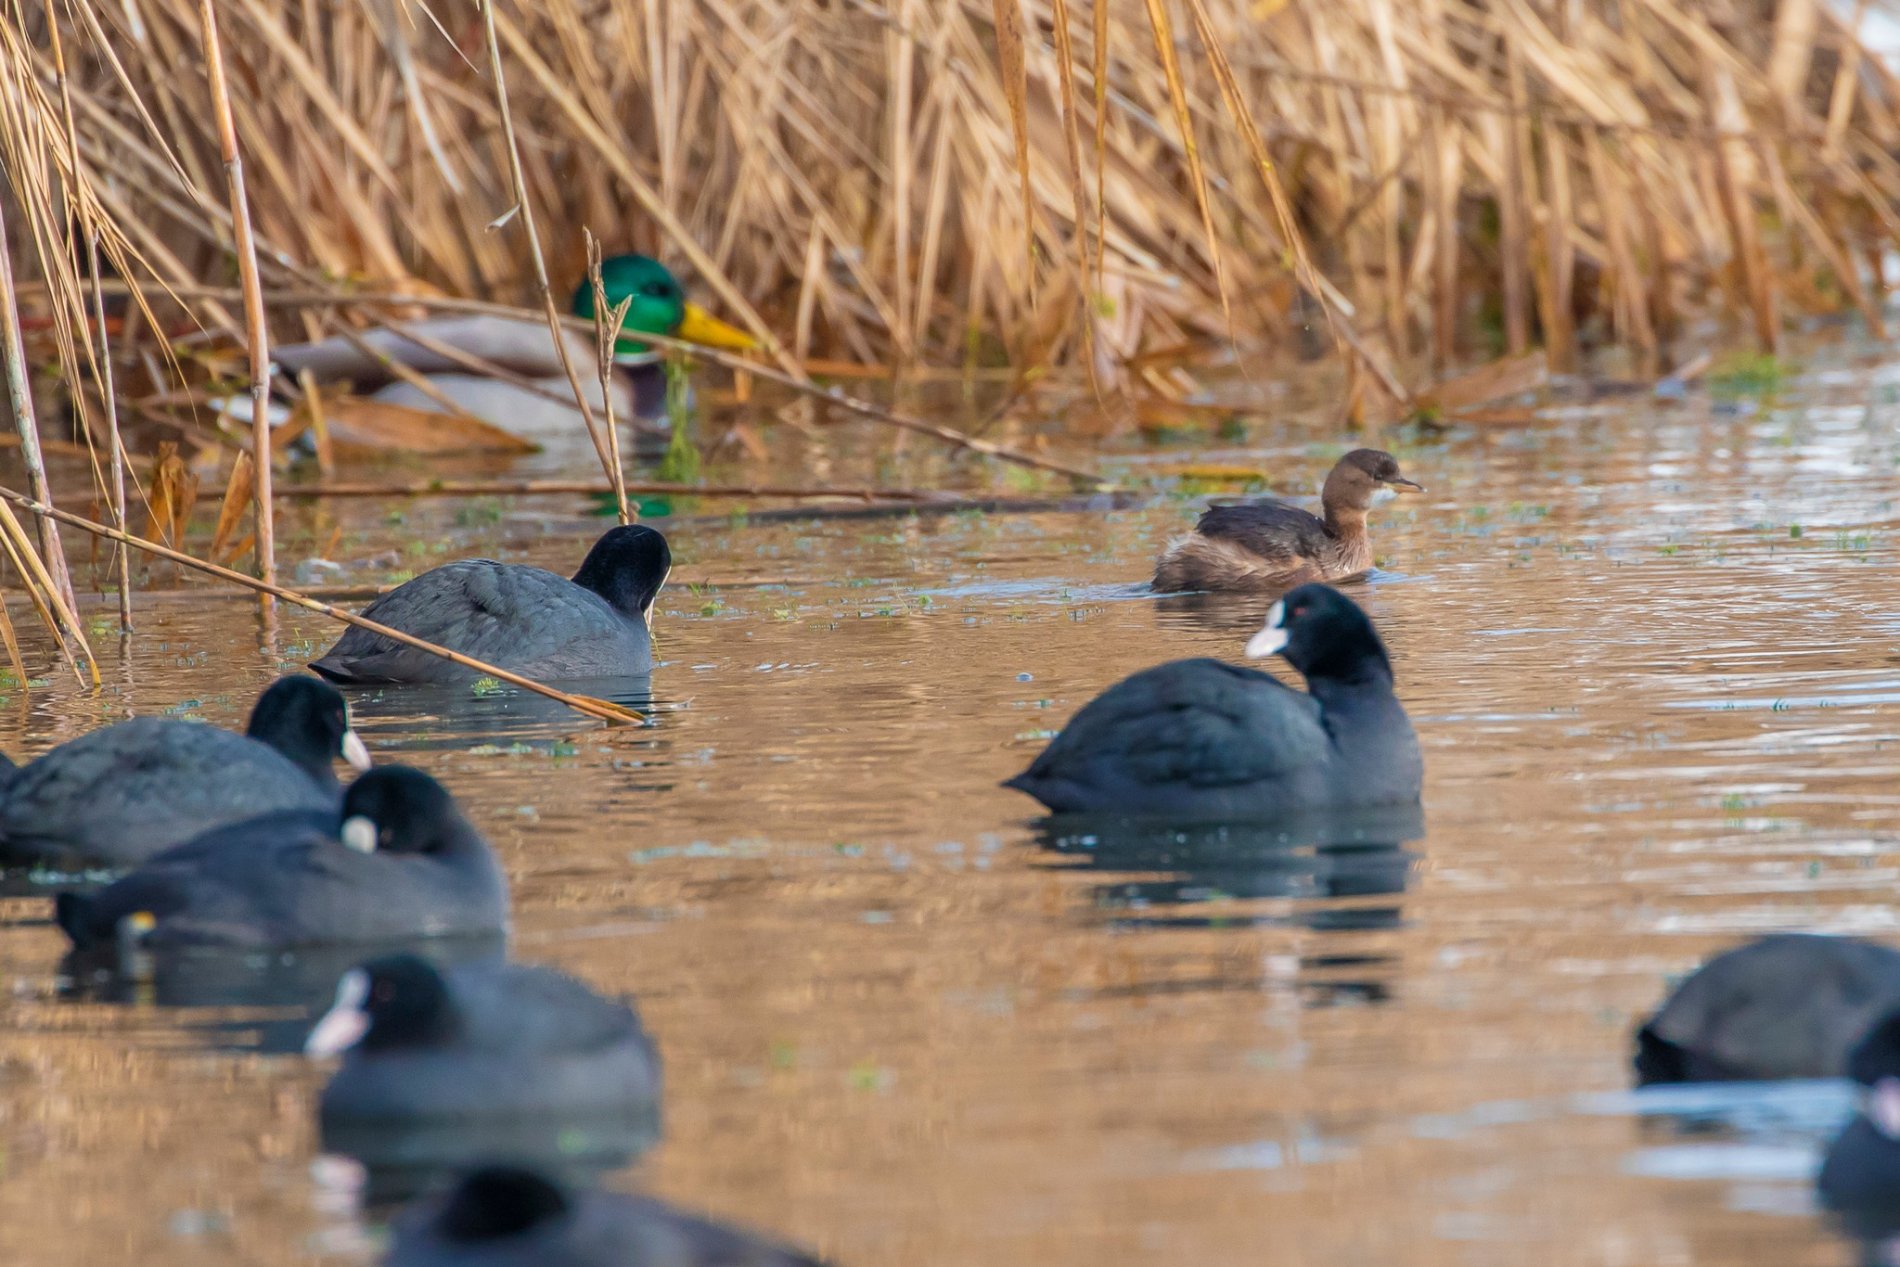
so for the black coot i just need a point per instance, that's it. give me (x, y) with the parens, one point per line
(479, 1041)
(123, 793)
(1790, 1005)
(399, 862)
(523, 619)
(1861, 1174)
(504, 1216)
(1204, 739)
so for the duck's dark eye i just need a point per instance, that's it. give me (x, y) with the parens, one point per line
(657, 290)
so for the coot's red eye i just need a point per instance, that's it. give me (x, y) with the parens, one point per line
(1300, 610)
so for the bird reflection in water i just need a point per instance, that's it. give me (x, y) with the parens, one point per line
(1314, 873)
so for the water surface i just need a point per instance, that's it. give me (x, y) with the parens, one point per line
(1650, 651)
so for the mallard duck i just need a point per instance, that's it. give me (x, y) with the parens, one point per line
(523, 347)
(1269, 546)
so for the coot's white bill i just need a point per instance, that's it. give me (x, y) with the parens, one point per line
(1883, 1107)
(344, 1025)
(1273, 637)
(359, 834)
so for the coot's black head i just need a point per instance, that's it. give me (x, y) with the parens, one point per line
(1877, 1055)
(306, 719)
(1875, 1064)
(1360, 474)
(399, 809)
(387, 1004)
(626, 567)
(1323, 634)
(496, 1202)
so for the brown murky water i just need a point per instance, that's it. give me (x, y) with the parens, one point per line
(1650, 651)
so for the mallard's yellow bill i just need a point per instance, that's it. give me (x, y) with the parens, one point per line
(701, 327)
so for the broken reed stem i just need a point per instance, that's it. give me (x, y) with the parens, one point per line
(592, 488)
(256, 334)
(607, 327)
(605, 710)
(57, 611)
(117, 463)
(52, 555)
(102, 367)
(525, 209)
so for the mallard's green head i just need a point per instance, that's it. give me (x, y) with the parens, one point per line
(658, 306)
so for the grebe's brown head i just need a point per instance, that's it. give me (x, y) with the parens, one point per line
(1358, 477)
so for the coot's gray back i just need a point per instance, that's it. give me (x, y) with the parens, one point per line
(291, 880)
(1791, 1005)
(504, 1216)
(526, 620)
(484, 1041)
(119, 795)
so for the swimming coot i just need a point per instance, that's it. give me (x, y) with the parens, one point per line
(479, 1041)
(506, 1216)
(1791, 1005)
(399, 862)
(1207, 739)
(1861, 1174)
(1269, 545)
(523, 619)
(123, 793)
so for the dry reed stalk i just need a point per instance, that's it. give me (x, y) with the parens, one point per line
(319, 423)
(607, 326)
(12, 641)
(115, 443)
(51, 557)
(736, 137)
(605, 710)
(57, 611)
(256, 328)
(1736, 167)
(101, 361)
(503, 488)
(1010, 65)
(524, 209)
(237, 492)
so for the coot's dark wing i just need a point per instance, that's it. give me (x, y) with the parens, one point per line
(218, 881)
(1180, 727)
(581, 1229)
(119, 795)
(653, 1232)
(284, 880)
(1786, 1006)
(1269, 528)
(524, 619)
(528, 1042)
(523, 1008)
